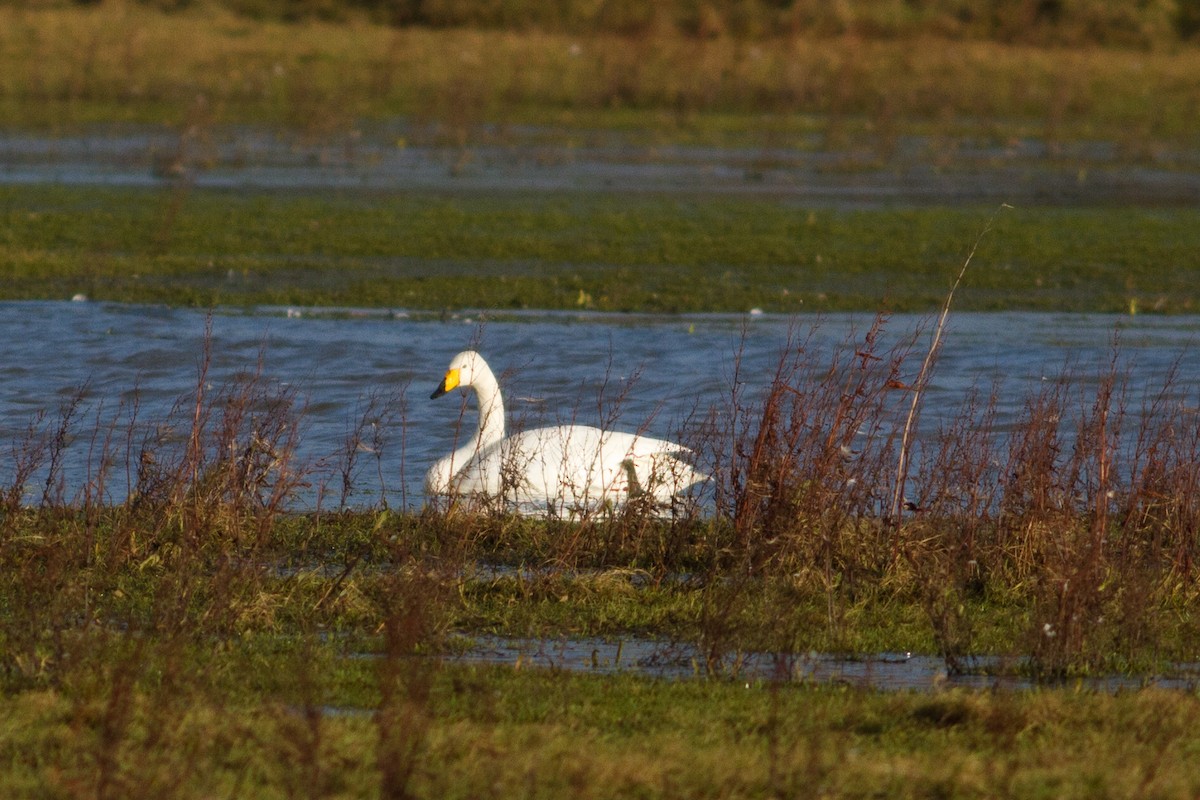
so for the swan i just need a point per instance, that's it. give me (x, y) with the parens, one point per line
(564, 470)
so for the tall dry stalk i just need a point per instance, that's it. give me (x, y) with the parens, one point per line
(922, 381)
(53, 492)
(377, 415)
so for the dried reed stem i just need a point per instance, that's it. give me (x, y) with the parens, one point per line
(922, 380)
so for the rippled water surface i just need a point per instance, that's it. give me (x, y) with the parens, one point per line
(884, 671)
(529, 159)
(660, 374)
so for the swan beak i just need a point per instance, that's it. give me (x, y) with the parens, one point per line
(448, 383)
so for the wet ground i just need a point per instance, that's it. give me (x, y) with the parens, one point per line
(397, 156)
(650, 373)
(884, 671)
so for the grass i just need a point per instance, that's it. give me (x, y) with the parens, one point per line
(199, 73)
(432, 250)
(124, 63)
(498, 732)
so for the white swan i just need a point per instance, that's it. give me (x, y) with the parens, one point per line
(566, 470)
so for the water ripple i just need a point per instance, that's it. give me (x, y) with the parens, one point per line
(659, 372)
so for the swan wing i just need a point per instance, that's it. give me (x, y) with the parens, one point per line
(573, 469)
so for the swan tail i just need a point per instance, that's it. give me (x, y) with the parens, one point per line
(662, 474)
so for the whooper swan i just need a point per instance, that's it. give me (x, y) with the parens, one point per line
(564, 470)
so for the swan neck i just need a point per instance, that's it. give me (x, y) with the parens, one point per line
(491, 410)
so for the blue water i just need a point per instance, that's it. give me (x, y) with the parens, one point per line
(657, 374)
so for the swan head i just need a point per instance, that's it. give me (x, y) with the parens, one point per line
(468, 370)
(465, 369)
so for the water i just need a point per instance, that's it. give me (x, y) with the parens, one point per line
(661, 373)
(536, 159)
(882, 671)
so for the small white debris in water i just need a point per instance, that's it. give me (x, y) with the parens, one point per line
(756, 312)
(79, 298)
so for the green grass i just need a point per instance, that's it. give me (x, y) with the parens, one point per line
(338, 575)
(192, 651)
(432, 250)
(484, 732)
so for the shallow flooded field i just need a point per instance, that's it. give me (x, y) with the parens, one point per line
(249, 217)
(236, 257)
(889, 672)
(399, 156)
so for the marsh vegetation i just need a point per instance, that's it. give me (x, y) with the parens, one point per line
(365, 165)
(564, 250)
(201, 617)
(196, 635)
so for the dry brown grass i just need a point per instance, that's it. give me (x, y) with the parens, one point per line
(113, 62)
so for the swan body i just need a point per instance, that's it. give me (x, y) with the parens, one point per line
(563, 470)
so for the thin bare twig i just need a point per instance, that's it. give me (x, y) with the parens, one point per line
(922, 380)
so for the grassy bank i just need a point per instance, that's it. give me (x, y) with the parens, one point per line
(468, 732)
(113, 62)
(182, 653)
(513, 250)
